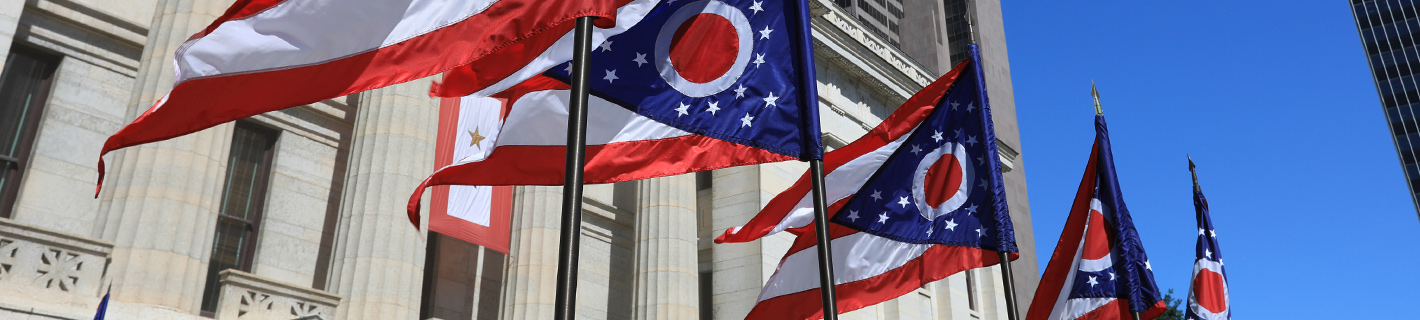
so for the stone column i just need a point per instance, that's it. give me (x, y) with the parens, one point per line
(530, 288)
(740, 268)
(667, 285)
(161, 199)
(378, 264)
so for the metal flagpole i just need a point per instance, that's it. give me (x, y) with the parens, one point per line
(1099, 111)
(1010, 282)
(570, 242)
(825, 250)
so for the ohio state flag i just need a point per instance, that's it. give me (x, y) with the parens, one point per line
(1099, 270)
(1208, 293)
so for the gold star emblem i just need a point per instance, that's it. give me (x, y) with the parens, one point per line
(475, 138)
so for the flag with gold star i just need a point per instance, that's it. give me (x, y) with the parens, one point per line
(477, 214)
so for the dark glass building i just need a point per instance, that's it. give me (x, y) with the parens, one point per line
(1389, 31)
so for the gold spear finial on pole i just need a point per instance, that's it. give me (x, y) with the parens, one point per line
(1096, 93)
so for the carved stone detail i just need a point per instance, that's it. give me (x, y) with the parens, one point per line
(246, 296)
(46, 269)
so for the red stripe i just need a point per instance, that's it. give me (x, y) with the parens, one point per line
(239, 10)
(1119, 310)
(1053, 280)
(945, 261)
(614, 162)
(205, 102)
(470, 78)
(901, 122)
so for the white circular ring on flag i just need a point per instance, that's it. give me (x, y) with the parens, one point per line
(959, 196)
(1193, 304)
(667, 68)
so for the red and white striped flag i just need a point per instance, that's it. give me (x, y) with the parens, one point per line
(266, 55)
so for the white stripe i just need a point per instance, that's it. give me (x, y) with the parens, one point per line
(839, 184)
(306, 32)
(855, 257)
(1079, 307)
(474, 203)
(1062, 307)
(561, 51)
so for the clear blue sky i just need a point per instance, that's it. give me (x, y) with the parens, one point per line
(1274, 102)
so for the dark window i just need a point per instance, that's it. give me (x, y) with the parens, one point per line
(244, 194)
(24, 87)
(462, 281)
(971, 294)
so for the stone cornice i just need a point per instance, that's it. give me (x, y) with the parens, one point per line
(842, 40)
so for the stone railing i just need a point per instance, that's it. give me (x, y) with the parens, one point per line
(247, 296)
(44, 269)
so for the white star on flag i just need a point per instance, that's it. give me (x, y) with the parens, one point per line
(683, 109)
(970, 106)
(937, 136)
(640, 59)
(771, 100)
(916, 150)
(610, 76)
(982, 184)
(979, 233)
(1208, 253)
(951, 225)
(1092, 282)
(756, 7)
(606, 46)
(764, 34)
(882, 218)
(853, 215)
(954, 108)
(1200, 231)
(740, 92)
(1147, 265)
(971, 209)
(744, 122)
(1212, 233)
(758, 59)
(877, 195)
(1111, 276)
(903, 202)
(714, 106)
(971, 141)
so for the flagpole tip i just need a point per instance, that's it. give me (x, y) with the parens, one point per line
(1096, 94)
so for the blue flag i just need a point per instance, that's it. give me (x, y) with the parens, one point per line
(943, 184)
(734, 70)
(103, 307)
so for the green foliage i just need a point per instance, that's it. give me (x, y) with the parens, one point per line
(1175, 308)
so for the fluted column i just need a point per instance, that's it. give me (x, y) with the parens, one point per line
(378, 261)
(530, 288)
(160, 200)
(667, 284)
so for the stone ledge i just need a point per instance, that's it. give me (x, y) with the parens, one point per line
(11, 229)
(249, 296)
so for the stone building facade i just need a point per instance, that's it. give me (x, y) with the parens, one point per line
(299, 213)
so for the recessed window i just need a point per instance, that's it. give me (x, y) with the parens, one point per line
(24, 88)
(243, 197)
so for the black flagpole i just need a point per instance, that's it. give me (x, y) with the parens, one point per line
(566, 305)
(1010, 284)
(825, 250)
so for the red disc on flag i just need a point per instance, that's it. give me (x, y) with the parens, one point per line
(1096, 237)
(943, 180)
(704, 47)
(1210, 291)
